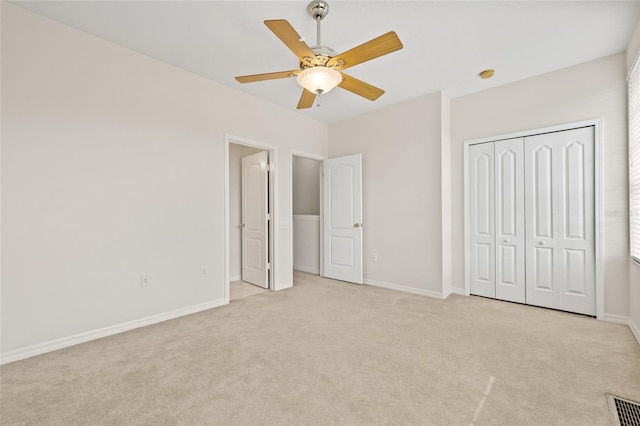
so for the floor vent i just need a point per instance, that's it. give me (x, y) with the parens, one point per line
(623, 411)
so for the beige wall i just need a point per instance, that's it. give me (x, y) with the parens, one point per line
(402, 200)
(633, 47)
(113, 166)
(591, 90)
(306, 186)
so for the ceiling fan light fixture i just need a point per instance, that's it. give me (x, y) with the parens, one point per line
(319, 79)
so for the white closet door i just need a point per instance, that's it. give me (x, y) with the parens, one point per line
(255, 222)
(559, 198)
(342, 230)
(481, 220)
(509, 214)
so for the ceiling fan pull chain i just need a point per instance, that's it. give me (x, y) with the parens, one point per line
(319, 98)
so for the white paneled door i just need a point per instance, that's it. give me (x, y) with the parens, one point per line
(531, 220)
(482, 219)
(255, 225)
(559, 187)
(342, 218)
(509, 214)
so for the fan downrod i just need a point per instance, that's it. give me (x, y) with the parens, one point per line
(318, 9)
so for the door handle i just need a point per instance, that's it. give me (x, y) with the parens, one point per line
(358, 225)
(242, 225)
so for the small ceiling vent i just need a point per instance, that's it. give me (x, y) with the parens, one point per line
(623, 411)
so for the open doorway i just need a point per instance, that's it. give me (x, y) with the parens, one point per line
(306, 206)
(249, 224)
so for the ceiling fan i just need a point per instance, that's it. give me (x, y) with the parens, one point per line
(320, 66)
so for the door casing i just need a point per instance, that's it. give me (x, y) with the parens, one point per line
(598, 213)
(310, 156)
(273, 207)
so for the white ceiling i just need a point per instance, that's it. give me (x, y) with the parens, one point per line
(446, 43)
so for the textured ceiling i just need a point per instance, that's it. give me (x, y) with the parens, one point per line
(446, 43)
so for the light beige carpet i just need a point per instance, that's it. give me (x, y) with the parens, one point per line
(326, 352)
(240, 289)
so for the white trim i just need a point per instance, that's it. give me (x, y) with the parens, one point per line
(314, 271)
(65, 342)
(598, 138)
(634, 329)
(273, 208)
(460, 291)
(284, 286)
(616, 319)
(633, 66)
(465, 225)
(538, 131)
(598, 216)
(235, 278)
(405, 289)
(309, 156)
(621, 319)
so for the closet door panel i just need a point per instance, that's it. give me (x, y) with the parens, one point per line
(509, 218)
(541, 215)
(481, 219)
(576, 211)
(559, 198)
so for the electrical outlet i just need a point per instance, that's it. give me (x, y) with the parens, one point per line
(374, 257)
(204, 272)
(144, 281)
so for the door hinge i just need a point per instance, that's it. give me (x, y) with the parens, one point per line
(268, 216)
(268, 266)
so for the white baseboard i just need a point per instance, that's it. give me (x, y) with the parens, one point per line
(419, 291)
(283, 286)
(235, 278)
(635, 329)
(621, 319)
(459, 291)
(65, 342)
(308, 269)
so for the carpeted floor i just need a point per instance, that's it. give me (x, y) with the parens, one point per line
(240, 289)
(327, 352)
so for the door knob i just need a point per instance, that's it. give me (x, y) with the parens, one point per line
(356, 225)
(541, 243)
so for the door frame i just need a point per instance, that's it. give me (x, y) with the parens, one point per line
(273, 206)
(599, 266)
(308, 156)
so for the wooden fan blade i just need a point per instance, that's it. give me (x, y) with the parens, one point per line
(267, 76)
(372, 49)
(285, 32)
(306, 100)
(360, 87)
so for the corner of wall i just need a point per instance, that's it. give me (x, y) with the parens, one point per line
(633, 48)
(445, 170)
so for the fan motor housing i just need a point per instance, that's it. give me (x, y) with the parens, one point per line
(323, 54)
(318, 9)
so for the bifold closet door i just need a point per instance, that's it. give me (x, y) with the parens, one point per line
(509, 220)
(482, 220)
(559, 200)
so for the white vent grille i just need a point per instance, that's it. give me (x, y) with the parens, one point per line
(623, 411)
